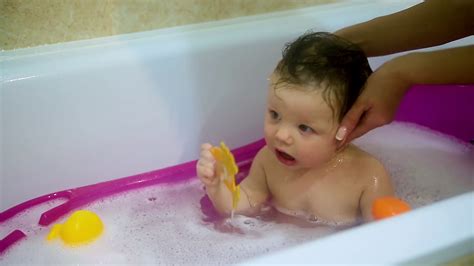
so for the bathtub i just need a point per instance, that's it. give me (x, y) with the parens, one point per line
(86, 112)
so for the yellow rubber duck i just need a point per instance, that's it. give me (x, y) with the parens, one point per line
(81, 227)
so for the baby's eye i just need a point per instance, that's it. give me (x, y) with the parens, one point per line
(305, 129)
(274, 115)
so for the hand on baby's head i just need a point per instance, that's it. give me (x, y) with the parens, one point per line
(206, 166)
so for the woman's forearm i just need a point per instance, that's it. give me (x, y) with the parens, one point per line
(448, 66)
(430, 23)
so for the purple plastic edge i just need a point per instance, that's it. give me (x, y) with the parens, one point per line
(11, 239)
(445, 108)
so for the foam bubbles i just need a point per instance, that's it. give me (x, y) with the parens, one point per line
(165, 224)
(425, 165)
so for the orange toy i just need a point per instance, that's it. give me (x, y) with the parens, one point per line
(388, 206)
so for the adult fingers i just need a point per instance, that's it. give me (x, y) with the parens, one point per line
(360, 130)
(350, 121)
(368, 122)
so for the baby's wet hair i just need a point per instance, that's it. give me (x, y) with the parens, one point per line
(325, 60)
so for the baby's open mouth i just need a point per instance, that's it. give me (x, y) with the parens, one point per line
(284, 157)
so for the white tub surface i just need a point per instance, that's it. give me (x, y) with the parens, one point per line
(84, 112)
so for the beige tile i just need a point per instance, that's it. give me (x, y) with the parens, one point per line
(25, 23)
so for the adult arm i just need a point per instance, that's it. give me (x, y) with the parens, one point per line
(427, 24)
(385, 88)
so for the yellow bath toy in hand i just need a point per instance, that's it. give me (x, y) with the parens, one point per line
(80, 228)
(227, 167)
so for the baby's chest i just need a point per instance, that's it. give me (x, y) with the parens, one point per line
(322, 197)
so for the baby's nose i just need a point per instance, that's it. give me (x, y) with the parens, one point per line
(283, 134)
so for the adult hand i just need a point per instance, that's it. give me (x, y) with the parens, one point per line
(375, 106)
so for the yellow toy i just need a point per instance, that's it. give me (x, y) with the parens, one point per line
(80, 228)
(227, 168)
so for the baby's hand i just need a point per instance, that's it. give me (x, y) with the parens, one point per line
(206, 166)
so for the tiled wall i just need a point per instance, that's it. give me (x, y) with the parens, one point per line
(25, 23)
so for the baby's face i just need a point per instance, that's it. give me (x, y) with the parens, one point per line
(299, 126)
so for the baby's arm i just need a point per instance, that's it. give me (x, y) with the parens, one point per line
(378, 185)
(253, 188)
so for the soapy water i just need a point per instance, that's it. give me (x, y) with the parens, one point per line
(174, 224)
(425, 165)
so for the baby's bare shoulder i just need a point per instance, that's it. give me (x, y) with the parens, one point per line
(264, 156)
(269, 164)
(366, 164)
(362, 157)
(263, 159)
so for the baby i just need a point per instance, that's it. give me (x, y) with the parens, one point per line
(300, 171)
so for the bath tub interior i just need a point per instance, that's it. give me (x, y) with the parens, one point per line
(89, 112)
